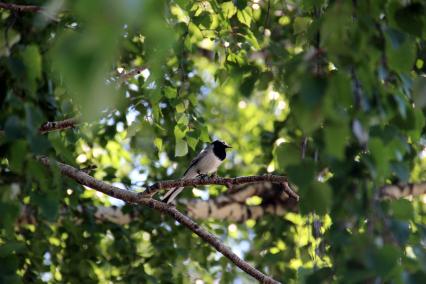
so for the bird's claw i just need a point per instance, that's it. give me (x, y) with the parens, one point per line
(203, 176)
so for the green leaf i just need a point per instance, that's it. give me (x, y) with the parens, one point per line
(317, 197)
(133, 129)
(14, 128)
(158, 142)
(32, 60)
(247, 86)
(308, 119)
(411, 18)
(336, 137)
(303, 174)
(18, 155)
(180, 108)
(192, 142)
(244, 16)
(419, 91)
(286, 154)
(13, 38)
(204, 136)
(182, 119)
(228, 9)
(339, 93)
(170, 92)
(301, 24)
(335, 29)
(402, 209)
(381, 157)
(181, 148)
(179, 132)
(11, 247)
(383, 260)
(400, 51)
(10, 212)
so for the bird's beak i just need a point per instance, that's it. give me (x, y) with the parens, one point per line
(227, 146)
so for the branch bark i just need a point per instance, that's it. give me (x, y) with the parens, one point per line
(229, 182)
(58, 125)
(127, 75)
(135, 198)
(232, 205)
(21, 8)
(399, 191)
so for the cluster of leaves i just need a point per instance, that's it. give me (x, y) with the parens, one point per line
(331, 93)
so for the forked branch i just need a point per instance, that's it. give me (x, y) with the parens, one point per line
(135, 198)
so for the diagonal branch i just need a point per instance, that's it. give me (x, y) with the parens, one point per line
(129, 74)
(133, 197)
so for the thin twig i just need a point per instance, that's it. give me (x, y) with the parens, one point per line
(133, 197)
(266, 23)
(289, 191)
(304, 145)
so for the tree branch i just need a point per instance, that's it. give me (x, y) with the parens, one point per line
(58, 125)
(133, 197)
(20, 8)
(124, 76)
(169, 184)
(399, 191)
(232, 205)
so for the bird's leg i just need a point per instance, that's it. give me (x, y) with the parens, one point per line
(202, 176)
(213, 175)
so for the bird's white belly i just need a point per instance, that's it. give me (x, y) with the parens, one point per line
(209, 164)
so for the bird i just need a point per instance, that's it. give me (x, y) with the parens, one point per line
(206, 162)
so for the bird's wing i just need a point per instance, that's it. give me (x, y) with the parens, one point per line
(200, 155)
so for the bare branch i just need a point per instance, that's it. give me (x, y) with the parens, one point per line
(233, 211)
(54, 125)
(169, 184)
(232, 206)
(58, 125)
(133, 197)
(20, 8)
(399, 191)
(124, 76)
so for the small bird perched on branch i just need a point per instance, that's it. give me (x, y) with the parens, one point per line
(206, 162)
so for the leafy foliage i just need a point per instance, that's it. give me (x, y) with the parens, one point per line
(331, 93)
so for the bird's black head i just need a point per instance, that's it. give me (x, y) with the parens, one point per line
(219, 149)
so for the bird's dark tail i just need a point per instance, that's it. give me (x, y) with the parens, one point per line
(171, 194)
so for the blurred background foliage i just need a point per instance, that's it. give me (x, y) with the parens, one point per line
(331, 93)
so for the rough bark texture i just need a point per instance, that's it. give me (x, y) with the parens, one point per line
(58, 125)
(229, 182)
(132, 197)
(132, 73)
(232, 205)
(20, 8)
